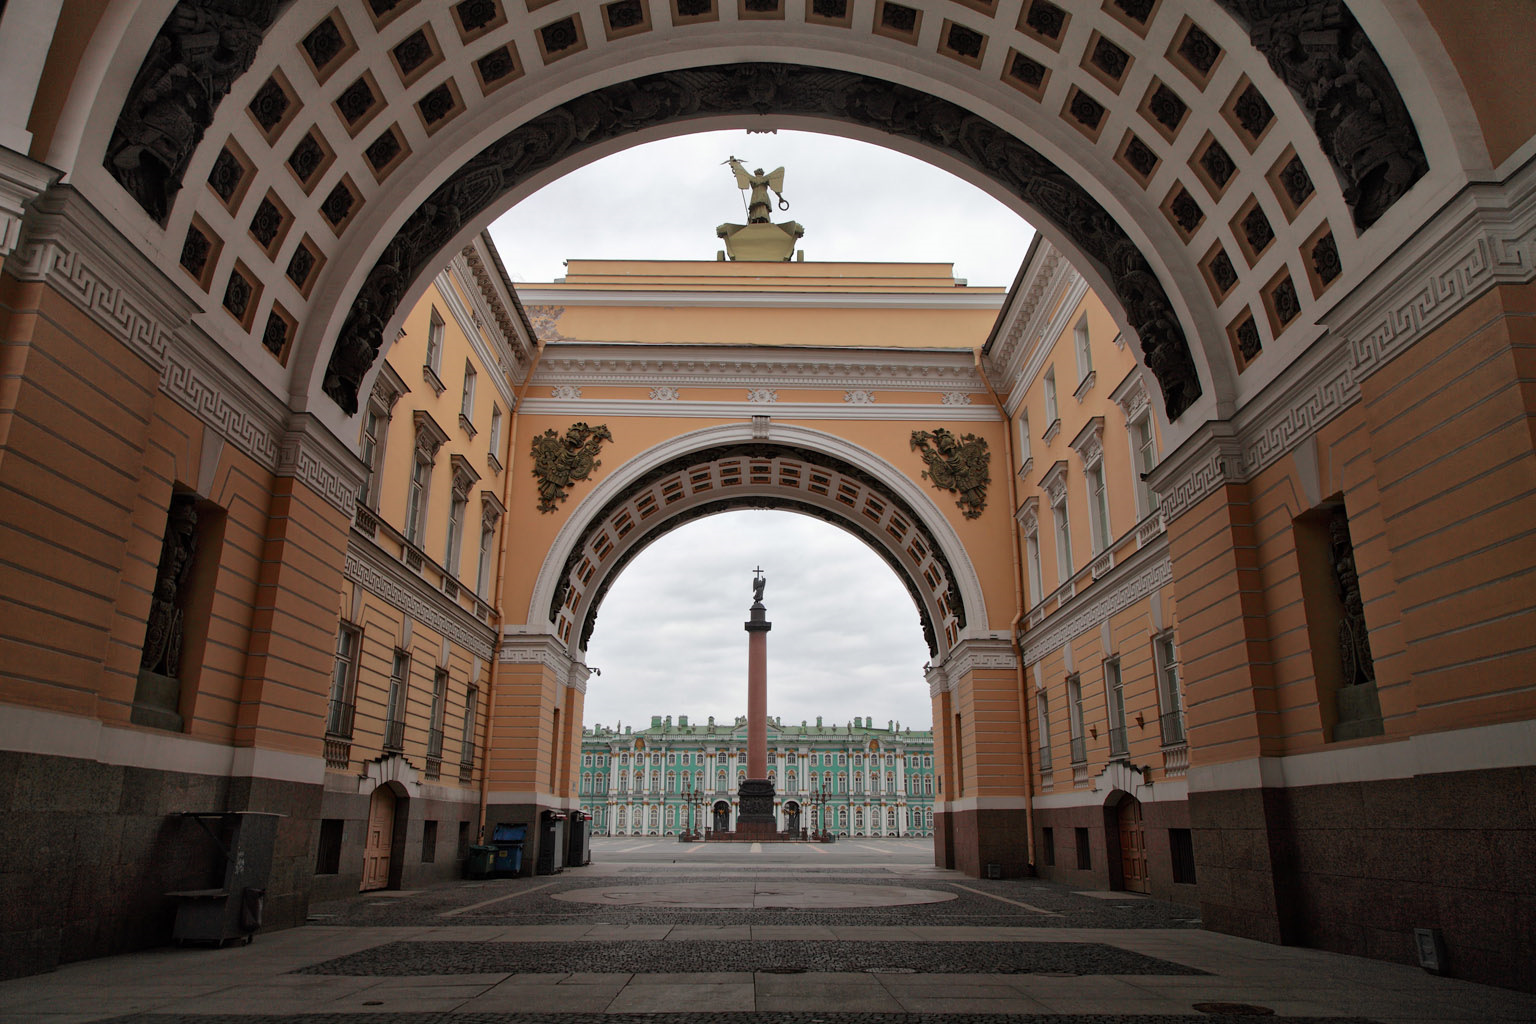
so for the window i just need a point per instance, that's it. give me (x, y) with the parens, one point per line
(1032, 560)
(439, 707)
(1024, 454)
(671, 759)
(338, 722)
(495, 441)
(1043, 713)
(1075, 718)
(434, 357)
(416, 498)
(1181, 845)
(428, 842)
(1144, 460)
(1080, 346)
(927, 785)
(456, 508)
(841, 759)
(1048, 846)
(1063, 527)
(1051, 412)
(467, 742)
(1114, 697)
(328, 856)
(373, 456)
(467, 399)
(1169, 696)
(1098, 506)
(1084, 853)
(394, 707)
(586, 760)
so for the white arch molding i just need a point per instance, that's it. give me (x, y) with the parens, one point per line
(899, 485)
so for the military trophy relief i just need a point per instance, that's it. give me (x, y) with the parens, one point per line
(559, 462)
(956, 464)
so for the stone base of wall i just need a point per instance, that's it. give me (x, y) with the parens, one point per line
(1356, 867)
(91, 849)
(1104, 848)
(987, 842)
(452, 810)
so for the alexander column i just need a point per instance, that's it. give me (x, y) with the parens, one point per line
(755, 819)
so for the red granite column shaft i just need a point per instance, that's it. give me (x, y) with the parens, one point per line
(757, 701)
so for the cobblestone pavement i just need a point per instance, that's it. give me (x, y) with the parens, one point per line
(507, 952)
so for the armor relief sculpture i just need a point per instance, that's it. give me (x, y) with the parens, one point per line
(559, 462)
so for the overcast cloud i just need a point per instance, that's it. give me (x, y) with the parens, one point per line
(846, 638)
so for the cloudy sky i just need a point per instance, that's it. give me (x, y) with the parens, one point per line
(846, 640)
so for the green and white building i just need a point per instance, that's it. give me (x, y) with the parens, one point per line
(662, 780)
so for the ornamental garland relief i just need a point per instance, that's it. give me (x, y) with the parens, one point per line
(956, 464)
(558, 462)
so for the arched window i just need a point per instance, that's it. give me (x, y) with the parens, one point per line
(890, 820)
(655, 781)
(623, 818)
(720, 780)
(671, 816)
(890, 781)
(789, 781)
(655, 817)
(671, 783)
(927, 785)
(858, 819)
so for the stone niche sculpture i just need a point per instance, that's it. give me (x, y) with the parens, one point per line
(157, 695)
(787, 89)
(1359, 706)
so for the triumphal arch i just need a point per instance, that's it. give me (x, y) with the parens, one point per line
(1310, 221)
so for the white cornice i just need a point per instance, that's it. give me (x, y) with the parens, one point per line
(995, 653)
(536, 649)
(501, 362)
(69, 246)
(740, 410)
(1484, 237)
(21, 181)
(958, 298)
(373, 569)
(1139, 575)
(870, 369)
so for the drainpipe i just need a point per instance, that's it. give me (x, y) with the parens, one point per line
(1018, 615)
(501, 572)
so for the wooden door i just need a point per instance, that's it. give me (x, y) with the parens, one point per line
(380, 836)
(1133, 846)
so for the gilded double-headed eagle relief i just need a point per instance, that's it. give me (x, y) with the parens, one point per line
(559, 461)
(958, 464)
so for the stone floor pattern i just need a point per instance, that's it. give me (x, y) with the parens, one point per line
(862, 932)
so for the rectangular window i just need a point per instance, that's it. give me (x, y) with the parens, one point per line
(428, 842)
(439, 707)
(1048, 846)
(349, 641)
(373, 451)
(415, 501)
(1032, 560)
(1084, 852)
(1100, 507)
(487, 552)
(1043, 712)
(394, 708)
(467, 400)
(1114, 696)
(328, 856)
(495, 441)
(467, 742)
(434, 359)
(1182, 845)
(1024, 455)
(1080, 346)
(1144, 459)
(1075, 718)
(1063, 526)
(456, 509)
(1169, 696)
(1051, 413)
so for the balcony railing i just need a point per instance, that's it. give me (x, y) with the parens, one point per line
(338, 722)
(434, 767)
(394, 735)
(338, 753)
(1118, 744)
(435, 743)
(1173, 728)
(1079, 750)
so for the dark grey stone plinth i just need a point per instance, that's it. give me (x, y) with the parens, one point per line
(157, 701)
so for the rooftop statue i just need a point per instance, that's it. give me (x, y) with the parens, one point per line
(759, 238)
(759, 581)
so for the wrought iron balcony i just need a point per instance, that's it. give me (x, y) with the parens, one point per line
(394, 735)
(435, 743)
(1079, 750)
(1173, 728)
(338, 722)
(1119, 745)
